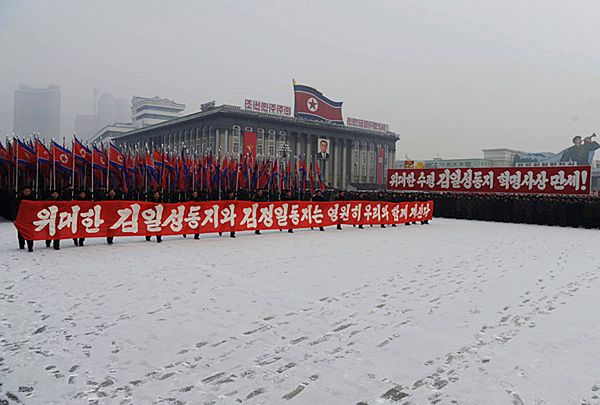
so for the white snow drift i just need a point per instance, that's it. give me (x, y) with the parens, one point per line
(451, 312)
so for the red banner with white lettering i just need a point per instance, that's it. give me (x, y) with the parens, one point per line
(45, 220)
(565, 180)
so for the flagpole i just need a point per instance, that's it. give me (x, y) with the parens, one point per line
(17, 169)
(237, 174)
(53, 166)
(108, 168)
(37, 177)
(93, 147)
(219, 171)
(73, 166)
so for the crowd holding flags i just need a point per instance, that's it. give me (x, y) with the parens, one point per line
(74, 165)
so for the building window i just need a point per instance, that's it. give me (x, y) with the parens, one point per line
(236, 139)
(260, 141)
(371, 163)
(363, 160)
(271, 142)
(204, 140)
(355, 150)
(282, 145)
(386, 153)
(211, 140)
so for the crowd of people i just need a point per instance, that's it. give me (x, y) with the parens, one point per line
(550, 210)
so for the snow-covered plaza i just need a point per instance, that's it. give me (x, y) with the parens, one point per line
(454, 312)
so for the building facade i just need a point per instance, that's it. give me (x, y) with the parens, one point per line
(353, 152)
(501, 157)
(150, 111)
(37, 110)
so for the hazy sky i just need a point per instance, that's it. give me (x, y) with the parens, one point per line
(451, 77)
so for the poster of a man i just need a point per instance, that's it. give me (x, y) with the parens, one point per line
(582, 151)
(323, 148)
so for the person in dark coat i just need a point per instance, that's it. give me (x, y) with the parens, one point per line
(111, 195)
(231, 196)
(155, 198)
(195, 197)
(81, 196)
(341, 196)
(318, 197)
(287, 195)
(25, 195)
(260, 196)
(54, 196)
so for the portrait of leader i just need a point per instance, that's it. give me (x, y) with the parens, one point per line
(323, 148)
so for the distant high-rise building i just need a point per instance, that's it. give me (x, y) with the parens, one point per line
(144, 112)
(37, 110)
(86, 125)
(149, 111)
(111, 110)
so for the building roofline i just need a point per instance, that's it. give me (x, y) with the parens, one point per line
(232, 110)
(502, 149)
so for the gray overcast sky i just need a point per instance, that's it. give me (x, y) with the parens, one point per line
(451, 77)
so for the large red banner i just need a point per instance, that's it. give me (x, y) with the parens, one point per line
(44, 220)
(529, 180)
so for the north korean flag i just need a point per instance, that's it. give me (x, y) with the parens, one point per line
(82, 154)
(309, 103)
(42, 153)
(116, 157)
(25, 154)
(63, 158)
(100, 159)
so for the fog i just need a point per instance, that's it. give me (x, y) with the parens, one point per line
(450, 78)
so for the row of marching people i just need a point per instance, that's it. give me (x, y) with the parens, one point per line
(259, 195)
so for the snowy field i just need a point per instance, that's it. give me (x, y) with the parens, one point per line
(455, 312)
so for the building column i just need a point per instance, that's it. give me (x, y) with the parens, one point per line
(298, 144)
(335, 161)
(224, 140)
(344, 159)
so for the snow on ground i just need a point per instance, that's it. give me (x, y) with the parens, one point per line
(452, 312)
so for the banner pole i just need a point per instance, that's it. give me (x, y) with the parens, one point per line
(92, 170)
(17, 169)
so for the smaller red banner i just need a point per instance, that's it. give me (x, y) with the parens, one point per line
(250, 143)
